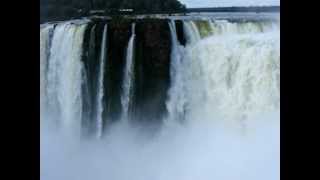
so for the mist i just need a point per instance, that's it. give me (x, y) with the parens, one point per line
(178, 152)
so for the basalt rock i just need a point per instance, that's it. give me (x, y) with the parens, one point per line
(152, 57)
(119, 33)
(152, 52)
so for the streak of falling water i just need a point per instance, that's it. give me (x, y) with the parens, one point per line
(176, 102)
(100, 104)
(191, 32)
(127, 86)
(44, 55)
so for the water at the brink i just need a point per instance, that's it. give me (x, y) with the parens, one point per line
(100, 104)
(128, 81)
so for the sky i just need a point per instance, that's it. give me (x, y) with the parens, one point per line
(219, 3)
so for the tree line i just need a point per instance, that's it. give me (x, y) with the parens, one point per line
(51, 10)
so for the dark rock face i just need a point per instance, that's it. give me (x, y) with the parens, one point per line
(180, 33)
(119, 33)
(153, 48)
(90, 58)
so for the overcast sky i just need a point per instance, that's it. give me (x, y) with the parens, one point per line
(216, 3)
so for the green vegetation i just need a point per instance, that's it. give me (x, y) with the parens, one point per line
(204, 28)
(147, 6)
(52, 10)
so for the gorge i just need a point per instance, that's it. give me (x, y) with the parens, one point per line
(160, 98)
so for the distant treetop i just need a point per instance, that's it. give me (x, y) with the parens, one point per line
(51, 10)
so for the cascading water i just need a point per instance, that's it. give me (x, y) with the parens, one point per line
(64, 78)
(100, 93)
(178, 102)
(227, 75)
(191, 32)
(45, 34)
(176, 105)
(127, 86)
(233, 52)
(220, 27)
(233, 74)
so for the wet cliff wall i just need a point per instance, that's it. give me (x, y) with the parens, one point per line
(151, 59)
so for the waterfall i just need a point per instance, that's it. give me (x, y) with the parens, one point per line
(89, 86)
(128, 80)
(201, 93)
(191, 32)
(100, 93)
(233, 74)
(45, 39)
(64, 77)
(204, 28)
(226, 70)
(176, 103)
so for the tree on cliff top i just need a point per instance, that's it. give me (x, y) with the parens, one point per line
(51, 10)
(142, 5)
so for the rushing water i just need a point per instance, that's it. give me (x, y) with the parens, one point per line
(234, 73)
(223, 106)
(101, 82)
(191, 32)
(44, 54)
(64, 78)
(127, 86)
(176, 96)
